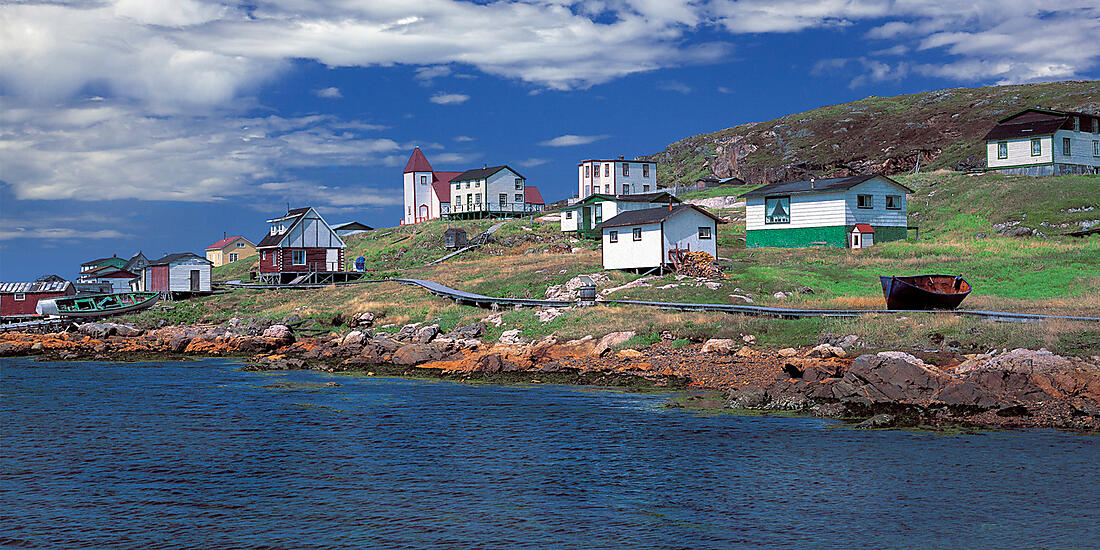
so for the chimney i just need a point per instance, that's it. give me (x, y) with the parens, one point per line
(620, 157)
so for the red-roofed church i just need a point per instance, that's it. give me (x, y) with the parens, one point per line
(428, 192)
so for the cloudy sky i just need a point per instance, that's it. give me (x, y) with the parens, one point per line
(157, 125)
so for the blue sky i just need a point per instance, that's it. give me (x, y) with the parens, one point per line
(157, 125)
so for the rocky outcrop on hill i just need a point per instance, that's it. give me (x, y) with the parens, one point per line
(938, 129)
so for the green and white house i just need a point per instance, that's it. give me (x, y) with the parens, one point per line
(826, 212)
(584, 215)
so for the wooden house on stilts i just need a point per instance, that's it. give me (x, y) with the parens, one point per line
(301, 248)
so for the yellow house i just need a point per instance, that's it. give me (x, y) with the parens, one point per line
(229, 250)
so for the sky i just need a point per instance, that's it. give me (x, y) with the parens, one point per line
(160, 125)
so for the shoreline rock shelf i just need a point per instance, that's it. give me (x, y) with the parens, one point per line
(1018, 388)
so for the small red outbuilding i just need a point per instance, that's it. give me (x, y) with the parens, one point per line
(18, 299)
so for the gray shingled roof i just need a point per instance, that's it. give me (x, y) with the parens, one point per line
(482, 173)
(653, 215)
(37, 286)
(828, 185)
(177, 257)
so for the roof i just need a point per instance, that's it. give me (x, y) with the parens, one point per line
(417, 162)
(292, 213)
(36, 286)
(441, 184)
(352, 225)
(653, 215)
(100, 261)
(482, 173)
(531, 195)
(615, 160)
(225, 242)
(662, 197)
(134, 260)
(865, 228)
(172, 258)
(1052, 112)
(1033, 122)
(828, 185)
(274, 239)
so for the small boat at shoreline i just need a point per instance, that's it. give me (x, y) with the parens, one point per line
(98, 305)
(924, 291)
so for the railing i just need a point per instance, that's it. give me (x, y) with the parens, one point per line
(495, 207)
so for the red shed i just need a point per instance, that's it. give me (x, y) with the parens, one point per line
(301, 247)
(21, 298)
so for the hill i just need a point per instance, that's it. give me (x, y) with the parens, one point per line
(880, 135)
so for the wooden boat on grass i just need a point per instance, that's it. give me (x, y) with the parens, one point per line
(924, 291)
(98, 305)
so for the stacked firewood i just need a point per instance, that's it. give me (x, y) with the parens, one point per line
(699, 264)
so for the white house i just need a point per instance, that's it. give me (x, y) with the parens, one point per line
(300, 247)
(427, 192)
(643, 239)
(1043, 142)
(483, 192)
(616, 177)
(825, 211)
(583, 216)
(185, 273)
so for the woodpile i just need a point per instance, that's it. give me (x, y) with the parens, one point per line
(699, 264)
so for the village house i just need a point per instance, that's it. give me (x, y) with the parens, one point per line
(826, 212)
(616, 177)
(584, 215)
(351, 228)
(19, 299)
(180, 274)
(229, 250)
(483, 192)
(114, 261)
(1044, 142)
(648, 238)
(300, 247)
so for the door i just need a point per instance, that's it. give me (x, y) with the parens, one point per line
(194, 280)
(332, 259)
(856, 240)
(586, 218)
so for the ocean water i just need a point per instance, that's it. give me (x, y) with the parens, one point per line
(200, 454)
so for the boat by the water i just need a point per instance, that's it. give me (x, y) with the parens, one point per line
(924, 291)
(98, 305)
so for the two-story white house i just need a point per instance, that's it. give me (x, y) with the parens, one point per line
(838, 212)
(492, 191)
(644, 239)
(616, 177)
(1043, 142)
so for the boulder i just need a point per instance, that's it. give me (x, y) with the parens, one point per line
(416, 354)
(98, 331)
(826, 351)
(630, 354)
(720, 346)
(425, 334)
(178, 343)
(364, 319)
(788, 352)
(848, 341)
(568, 291)
(407, 332)
(292, 319)
(128, 331)
(748, 339)
(747, 399)
(613, 339)
(875, 379)
(877, 421)
(279, 332)
(468, 332)
(353, 338)
(510, 337)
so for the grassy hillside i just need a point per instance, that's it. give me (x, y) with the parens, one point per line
(882, 135)
(956, 213)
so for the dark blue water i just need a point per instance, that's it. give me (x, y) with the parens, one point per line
(198, 454)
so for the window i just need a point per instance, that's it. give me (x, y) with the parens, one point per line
(469, 202)
(298, 257)
(240, 245)
(1002, 149)
(893, 202)
(1076, 124)
(645, 170)
(613, 236)
(596, 171)
(478, 183)
(607, 170)
(519, 197)
(263, 255)
(504, 198)
(587, 190)
(467, 185)
(645, 188)
(1066, 147)
(1096, 126)
(777, 210)
(599, 213)
(626, 168)
(423, 180)
(607, 189)
(568, 214)
(233, 256)
(1096, 148)
(519, 184)
(586, 169)
(626, 189)
(19, 297)
(865, 201)
(458, 186)
(477, 198)
(1036, 147)
(637, 233)
(704, 232)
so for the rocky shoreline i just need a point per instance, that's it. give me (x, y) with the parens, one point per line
(1017, 388)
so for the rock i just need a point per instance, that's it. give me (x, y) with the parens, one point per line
(353, 338)
(37, 347)
(338, 320)
(546, 315)
(495, 319)
(98, 331)
(364, 319)
(279, 332)
(630, 354)
(780, 295)
(426, 334)
(826, 351)
(128, 331)
(613, 339)
(788, 352)
(667, 335)
(805, 290)
(875, 379)
(747, 399)
(294, 318)
(1018, 231)
(568, 291)
(510, 337)
(178, 343)
(468, 332)
(901, 355)
(416, 354)
(719, 346)
(848, 341)
(407, 332)
(748, 339)
(712, 285)
(746, 299)
(876, 422)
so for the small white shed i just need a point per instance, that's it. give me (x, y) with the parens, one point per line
(643, 239)
(862, 236)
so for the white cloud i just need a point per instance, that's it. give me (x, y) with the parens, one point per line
(427, 75)
(569, 140)
(528, 163)
(672, 86)
(724, 90)
(105, 151)
(463, 139)
(56, 233)
(329, 93)
(443, 98)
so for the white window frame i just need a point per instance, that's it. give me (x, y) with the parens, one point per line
(20, 297)
(607, 170)
(1067, 147)
(870, 202)
(626, 169)
(519, 197)
(423, 180)
(1002, 149)
(645, 170)
(1096, 147)
(294, 257)
(587, 170)
(637, 233)
(568, 214)
(612, 236)
(233, 256)
(1037, 147)
(503, 198)
(519, 184)
(897, 203)
(704, 233)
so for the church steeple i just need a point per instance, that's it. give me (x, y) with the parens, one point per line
(417, 162)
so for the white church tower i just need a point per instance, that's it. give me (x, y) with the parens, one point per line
(418, 189)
